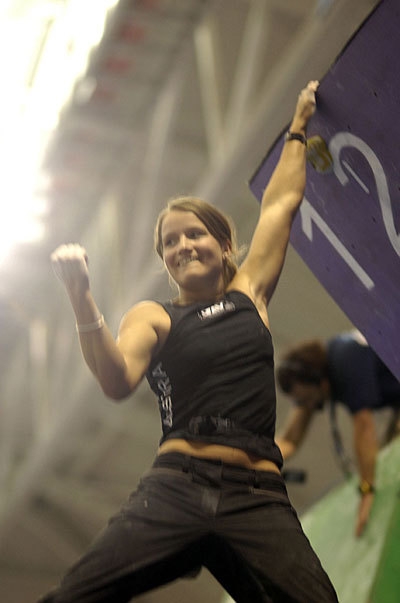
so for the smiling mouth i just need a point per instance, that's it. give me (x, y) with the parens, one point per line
(186, 261)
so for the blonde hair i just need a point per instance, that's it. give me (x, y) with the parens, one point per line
(217, 223)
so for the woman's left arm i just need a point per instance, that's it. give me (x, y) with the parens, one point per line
(259, 272)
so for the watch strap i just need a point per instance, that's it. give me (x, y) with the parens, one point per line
(295, 136)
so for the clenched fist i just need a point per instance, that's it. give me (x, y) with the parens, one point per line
(70, 263)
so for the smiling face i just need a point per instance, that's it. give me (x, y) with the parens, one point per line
(192, 256)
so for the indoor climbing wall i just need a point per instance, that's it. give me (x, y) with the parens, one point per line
(347, 229)
(365, 569)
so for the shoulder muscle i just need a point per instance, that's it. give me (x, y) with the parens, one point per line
(142, 333)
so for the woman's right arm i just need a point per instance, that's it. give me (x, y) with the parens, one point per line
(118, 365)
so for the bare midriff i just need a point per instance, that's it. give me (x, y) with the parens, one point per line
(226, 454)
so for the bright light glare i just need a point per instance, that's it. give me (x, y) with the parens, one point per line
(17, 229)
(22, 209)
(44, 50)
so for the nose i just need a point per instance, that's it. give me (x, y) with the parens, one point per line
(185, 243)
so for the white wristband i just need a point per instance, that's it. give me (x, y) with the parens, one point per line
(91, 326)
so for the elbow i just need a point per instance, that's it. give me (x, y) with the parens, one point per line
(116, 390)
(295, 200)
(114, 395)
(363, 417)
(116, 382)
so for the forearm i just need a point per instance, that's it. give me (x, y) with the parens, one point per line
(288, 181)
(287, 184)
(286, 447)
(295, 428)
(366, 449)
(99, 348)
(366, 445)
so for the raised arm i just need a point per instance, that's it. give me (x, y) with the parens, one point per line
(281, 199)
(120, 365)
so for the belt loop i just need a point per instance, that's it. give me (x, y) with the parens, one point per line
(221, 471)
(186, 463)
(256, 479)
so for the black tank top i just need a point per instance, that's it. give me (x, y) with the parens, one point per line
(214, 377)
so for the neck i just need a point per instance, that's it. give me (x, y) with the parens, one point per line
(191, 297)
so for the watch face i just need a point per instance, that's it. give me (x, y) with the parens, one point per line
(296, 136)
(365, 487)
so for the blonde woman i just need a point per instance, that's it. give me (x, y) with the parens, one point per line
(214, 496)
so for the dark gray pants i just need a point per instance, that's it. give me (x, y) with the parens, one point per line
(188, 513)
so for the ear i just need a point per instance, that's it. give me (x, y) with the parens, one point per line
(226, 249)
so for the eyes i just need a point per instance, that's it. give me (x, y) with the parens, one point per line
(192, 234)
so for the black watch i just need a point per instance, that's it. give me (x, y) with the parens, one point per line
(365, 487)
(295, 136)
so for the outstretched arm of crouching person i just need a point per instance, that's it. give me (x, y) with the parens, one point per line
(366, 447)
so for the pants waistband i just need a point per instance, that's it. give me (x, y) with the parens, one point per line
(233, 473)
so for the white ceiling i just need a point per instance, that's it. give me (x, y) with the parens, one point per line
(180, 96)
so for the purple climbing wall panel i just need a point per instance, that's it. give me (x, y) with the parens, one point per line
(347, 230)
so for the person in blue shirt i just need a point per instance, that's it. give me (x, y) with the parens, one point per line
(344, 369)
